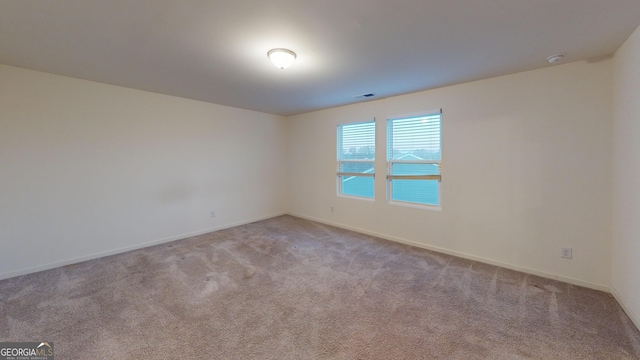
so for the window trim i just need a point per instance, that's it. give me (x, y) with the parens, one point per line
(339, 162)
(389, 164)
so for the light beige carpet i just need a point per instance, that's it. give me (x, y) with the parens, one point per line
(288, 288)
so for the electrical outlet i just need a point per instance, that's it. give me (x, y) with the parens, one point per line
(332, 209)
(566, 253)
(213, 214)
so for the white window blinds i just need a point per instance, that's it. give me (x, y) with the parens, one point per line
(414, 159)
(356, 159)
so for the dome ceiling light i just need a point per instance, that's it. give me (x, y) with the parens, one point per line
(555, 58)
(281, 58)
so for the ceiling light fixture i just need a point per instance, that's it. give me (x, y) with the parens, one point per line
(281, 58)
(555, 58)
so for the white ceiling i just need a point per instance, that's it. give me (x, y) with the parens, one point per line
(215, 50)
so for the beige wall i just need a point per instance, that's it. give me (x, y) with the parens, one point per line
(626, 177)
(88, 169)
(526, 171)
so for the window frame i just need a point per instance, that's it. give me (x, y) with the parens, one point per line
(390, 162)
(339, 162)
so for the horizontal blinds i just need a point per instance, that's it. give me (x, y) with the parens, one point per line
(413, 171)
(357, 141)
(356, 186)
(356, 167)
(414, 156)
(356, 159)
(414, 138)
(423, 192)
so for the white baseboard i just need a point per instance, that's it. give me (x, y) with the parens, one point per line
(634, 318)
(76, 260)
(543, 274)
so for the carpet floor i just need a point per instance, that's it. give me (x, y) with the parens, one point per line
(288, 288)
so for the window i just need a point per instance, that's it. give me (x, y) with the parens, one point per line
(414, 159)
(356, 159)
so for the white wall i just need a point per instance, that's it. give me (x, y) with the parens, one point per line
(88, 169)
(526, 171)
(626, 177)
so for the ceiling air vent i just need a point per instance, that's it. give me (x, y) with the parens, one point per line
(365, 96)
